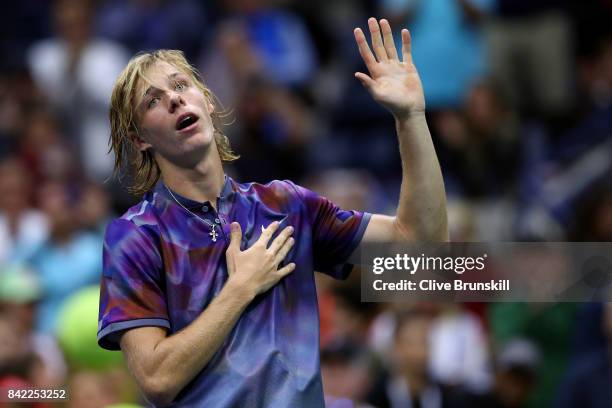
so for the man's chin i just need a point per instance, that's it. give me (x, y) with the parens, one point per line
(196, 133)
(198, 149)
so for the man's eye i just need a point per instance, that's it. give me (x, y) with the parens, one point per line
(179, 86)
(152, 102)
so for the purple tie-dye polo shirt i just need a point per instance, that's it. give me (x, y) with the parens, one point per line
(161, 268)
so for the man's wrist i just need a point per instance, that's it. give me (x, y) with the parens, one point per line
(239, 291)
(410, 119)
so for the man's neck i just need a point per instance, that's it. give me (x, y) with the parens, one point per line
(202, 183)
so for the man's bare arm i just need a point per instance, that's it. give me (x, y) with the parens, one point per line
(162, 365)
(395, 84)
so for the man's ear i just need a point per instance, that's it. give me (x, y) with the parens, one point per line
(211, 108)
(140, 144)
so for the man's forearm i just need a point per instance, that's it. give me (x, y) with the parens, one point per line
(422, 204)
(396, 85)
(177, 359)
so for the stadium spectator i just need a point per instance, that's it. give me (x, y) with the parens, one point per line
(76, 72)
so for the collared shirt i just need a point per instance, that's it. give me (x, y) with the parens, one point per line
(161, 268)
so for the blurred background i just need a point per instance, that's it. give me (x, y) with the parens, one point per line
(519, 101)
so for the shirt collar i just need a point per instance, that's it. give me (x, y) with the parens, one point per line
(226, 192)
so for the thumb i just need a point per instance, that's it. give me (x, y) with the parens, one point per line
(365, 80)
(235, 236)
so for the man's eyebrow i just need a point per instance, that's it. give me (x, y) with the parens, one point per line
(150, 88)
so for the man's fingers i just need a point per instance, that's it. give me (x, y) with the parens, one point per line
(266, 233)
(388, 39)
(284, 250)
(281, 239)
(406, 46)
(377, 42)
(286, 270)
(235, 236)
(364, 49)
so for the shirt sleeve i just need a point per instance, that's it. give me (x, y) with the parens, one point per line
(336, 233)
(132, 288)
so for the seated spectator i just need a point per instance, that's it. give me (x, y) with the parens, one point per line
(76, 72)
(515, 376)
(275, 129)
(459, 355)
(410, 383)
(93, 208)
(37, 358)
(530, 48)
(44, 149)
(17, 94)
(479, 145)
(549, 327)
(69, 259)
(459, 350)
(17, 360)
(22, 228)
(346, 371)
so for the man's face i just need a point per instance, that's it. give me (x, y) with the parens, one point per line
(412, 345)
(173, 116)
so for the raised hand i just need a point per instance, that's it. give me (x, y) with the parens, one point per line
(393, 83)
(256, 269)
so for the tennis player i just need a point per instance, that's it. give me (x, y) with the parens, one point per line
(208, 285)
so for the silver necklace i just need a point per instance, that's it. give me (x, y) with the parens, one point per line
(213, 233)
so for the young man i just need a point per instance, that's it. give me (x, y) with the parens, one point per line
(208, 285)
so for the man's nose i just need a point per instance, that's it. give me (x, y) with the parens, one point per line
(175, 101)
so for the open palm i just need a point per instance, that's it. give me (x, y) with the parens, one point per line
(393, 83)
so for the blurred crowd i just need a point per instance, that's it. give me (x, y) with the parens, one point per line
(519, 102)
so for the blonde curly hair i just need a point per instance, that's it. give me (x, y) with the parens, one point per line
(141, 165)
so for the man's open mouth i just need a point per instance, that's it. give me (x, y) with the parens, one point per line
(186, 120)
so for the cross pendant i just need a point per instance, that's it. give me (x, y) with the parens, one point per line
(213, 233)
